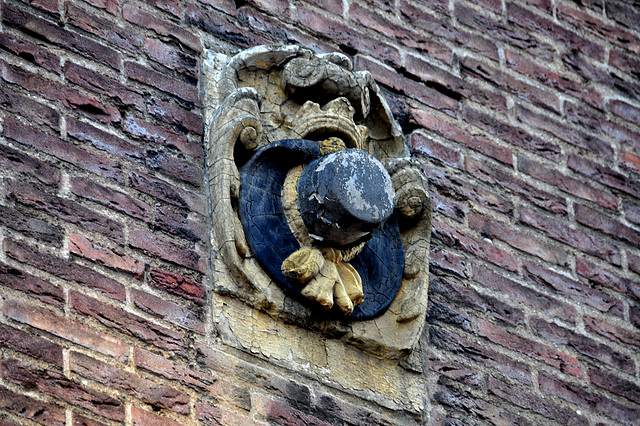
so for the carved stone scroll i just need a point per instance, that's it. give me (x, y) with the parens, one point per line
(320, 217)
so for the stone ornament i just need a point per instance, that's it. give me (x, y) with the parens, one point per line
(319, 216)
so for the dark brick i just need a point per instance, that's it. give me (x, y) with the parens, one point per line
(55, 384)
(634, 315)
(216, 415)
(429, 147)
(603, 174)
(49, 6)
(444, 314)
(78, 420)
(515, 237)
(480, 354)
(158, 396)
(128, 324)
(615, 384)
(17, 104)
(448, 262)
(630, 161)
(161, 27)
(622, 336)
(167, 250)
(511, 134)
(456, 371)
(632, 212)
(280, 413)
(30, 226)
(103, 29)
(171, 370)
(110, 6)
(336, 6)
(65, 209)
(154, 134)
(104, 141)
(605, 278)
(573, 290)
(16, 279)
(593, 219)
(179, 225)
(447, 207)
(185, 121)
(178, 285)
(524, 295)
(80, 246)
(172, 86)
(58, 36)
(63, 269)
(20, 162)
(559, 231)
(582, 344)
(110, 198)
(505, 180)
(634, 262)
(174, 167)
(66, 329)
(167, 192)
(140, 417)
(171, 57)
(168, 311)
(623, 12)
(568, 184)
(32, 409)
(624, 110)
(584, 398)
(219, 27)
(34, 346)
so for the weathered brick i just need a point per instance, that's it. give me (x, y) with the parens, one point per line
(20, 162)
(559, 231)
(55, 384)
(630, 161)
(167, 310)
(104, 141)
(172, 86)
(536, 350)
(128, 324)
(17, 104)
(179, 225)
(104, 256)
(632, 212)
(161, 27)
(185, 121)
(603, 174)
(456, 134)
(110, 6)
(581, 396)
(480, 354)
(178, 285)
(171, 57)
(625, 110)
(63, 150)
(155, 134)
(79, 420)
(511, 134)
(456, 371)
(16, 279)
(622, 336)
(605, 278)
(215, 415)
(515, 237)
(634, 262)
(453, 238)
(447, 207)
(58, 36)
(167, 250)
(615, 384)
(221, 28)
(634, 315)
(336, 6)
(140, 417)
(32, 409)
(623, 12)
(582, 344)
(571, 289)
(593, 219)
(429, 147)
(440, 313)
(174, 167)
(528, 401)
(540, 302)
(34, 346)
(30, 226)
(103, 29)
(281, 413)
(65, 209)
(164, 367)
(448, 262)
(158, 396)
(108, 197)
(66, 328)
(167, 192)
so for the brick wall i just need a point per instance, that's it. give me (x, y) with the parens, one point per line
(525, 115)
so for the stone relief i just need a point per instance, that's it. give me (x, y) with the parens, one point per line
(320, 217)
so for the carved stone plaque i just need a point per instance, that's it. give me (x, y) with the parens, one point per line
(319, 216)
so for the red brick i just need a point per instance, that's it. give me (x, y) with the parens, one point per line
(171, 57)
(82, 247)
(103, 85)
(167, 192)
(560, 360)
(447, 207)
(440, 313)
(615, 384)
(128, 324)
(49, 6)
(174, 167)
(154, 134)
(453, 238)
(172, 86)
(515, 237)
(605, 278)
(103, 29)
(63, 150)
(506, 33)
(178, 285)
(429, 147)
(55, 384)
(167, 250)
(582, 344)
(336, 6)
(185, 121)
(158, 396)
(104, 141)
(108, 197)
(32, 409)
(528, 401)
(30, 226)
(526, 296)
(400, 34)
(161, 27)
(280, 413)
(65, 209)
(624, 110)
(158, 364)
(60, 37)
(173, 6)
(630, 161)
(634, 262)
(239, 34)
(448, 262)
(504, 179)
(16, 279)
(511, 134)
(279, 8)
(34, 346)
(582, 397)
(67, 96)
(409, 87)
(419, 18)
(622, 336)
(17, 104)
(110, 6)
(610, 226)
(632, 212)
(20, 162)
(572, 290)
(140, 417)
(78, 420)
(568, 184)
(179, 225)
(543, 25)
(604, 175)
(30, 52)
(560, 231)
(66, 328)
(215, 415)
(624, 13)
(456, 371)
(168, 311)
